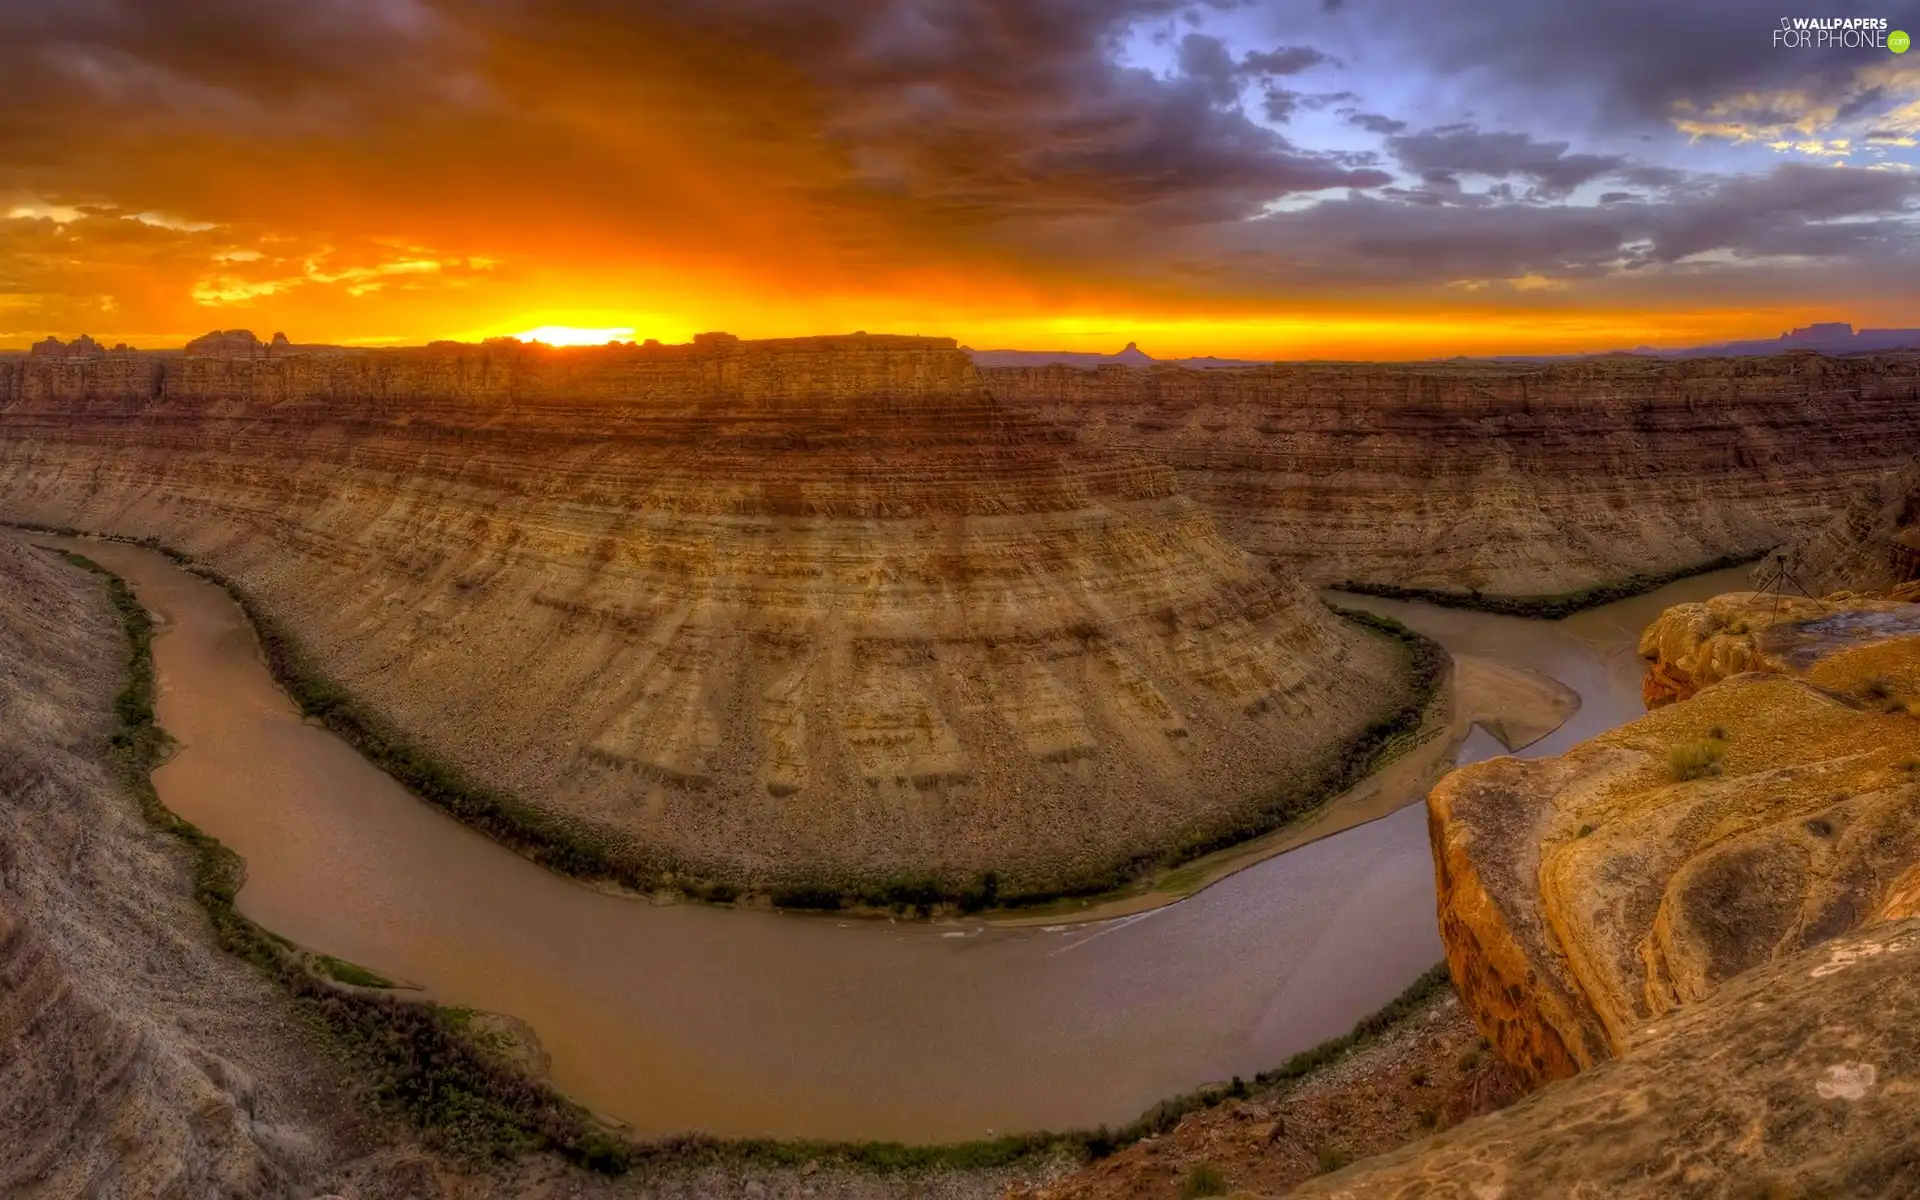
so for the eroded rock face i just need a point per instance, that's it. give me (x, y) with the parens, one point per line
(792, 612)
(1795, 1079)
(1692, 646)
(128, 1049)
(1583, 896)
(1510, 479)
(1871, 545)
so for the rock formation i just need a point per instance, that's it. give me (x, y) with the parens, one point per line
(1692, 646)
(1512, 479)
(1778, 806)
(778, 614)
(1872, 544)
(1795, 1079)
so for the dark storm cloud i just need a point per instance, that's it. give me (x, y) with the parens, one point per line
(977, 110)
(1285, 60)
(1624, 61)
(1374, 122)
(1458, 149)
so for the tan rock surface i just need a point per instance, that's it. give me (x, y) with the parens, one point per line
(1521, 479)
(1798, 1078)
(1692, 646)
(1583, 896)
(817, 611)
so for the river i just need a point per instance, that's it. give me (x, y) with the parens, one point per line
(676, 1018)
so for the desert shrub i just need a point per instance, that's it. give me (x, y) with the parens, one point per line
(1329, 1157)
(1204, 1180)
(1695, 759)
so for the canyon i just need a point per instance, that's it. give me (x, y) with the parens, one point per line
(810, 618)
(853, 617)
(850, 617)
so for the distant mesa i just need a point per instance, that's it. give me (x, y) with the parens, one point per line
(81, 347)
(1824, 337)
(1131, 356)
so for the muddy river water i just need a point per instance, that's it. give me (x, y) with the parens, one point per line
(682, 1017)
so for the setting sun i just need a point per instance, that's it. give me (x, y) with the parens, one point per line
(569, 335)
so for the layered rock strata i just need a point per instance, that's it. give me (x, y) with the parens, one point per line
(1870, 545)
(1583, 896)
(1507, 479)
(774, 614)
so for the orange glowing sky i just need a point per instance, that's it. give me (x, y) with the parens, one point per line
(1254, 179)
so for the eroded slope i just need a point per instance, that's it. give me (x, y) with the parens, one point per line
(811, 612)
(1522, 479)
(135, 1060)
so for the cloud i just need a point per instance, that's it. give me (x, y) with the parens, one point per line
(1283, 60)
(1373, 122)
(1466, 150)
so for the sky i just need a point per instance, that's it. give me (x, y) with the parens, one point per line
(1260, 178)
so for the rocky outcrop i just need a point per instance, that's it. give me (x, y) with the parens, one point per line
(1795, 1079)
(777, 614)
(1510, 479)
(1692, 646)
(1584, 896)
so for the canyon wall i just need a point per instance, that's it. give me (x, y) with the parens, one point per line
(818, 612)
(1872, 543)
(1523, 479)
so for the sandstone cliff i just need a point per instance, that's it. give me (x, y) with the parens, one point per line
(775, 614)
(1582, 897)
(1522, 479)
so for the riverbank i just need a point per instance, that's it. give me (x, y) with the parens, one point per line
(469, 1100)
(1268, 825)
(1517, 707)
(1551, 607)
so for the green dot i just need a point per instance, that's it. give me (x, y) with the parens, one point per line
(1898, 41)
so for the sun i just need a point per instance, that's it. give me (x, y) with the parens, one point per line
(573, 335)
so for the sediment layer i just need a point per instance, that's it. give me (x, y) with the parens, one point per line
(1873, 543)
(789, 614)
(1535, 481)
